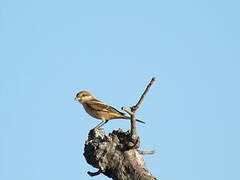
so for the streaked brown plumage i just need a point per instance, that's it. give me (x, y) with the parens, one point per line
(98, 109)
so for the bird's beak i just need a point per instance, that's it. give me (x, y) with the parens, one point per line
(76, 99)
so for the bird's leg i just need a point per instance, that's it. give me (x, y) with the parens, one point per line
(101, 123)
(104, 122)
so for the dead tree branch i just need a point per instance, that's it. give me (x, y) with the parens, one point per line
(116, 155)
(133, 109)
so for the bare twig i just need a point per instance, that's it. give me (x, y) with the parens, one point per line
(133, 110)
(146, 152)
(127, 110)
(133, 126)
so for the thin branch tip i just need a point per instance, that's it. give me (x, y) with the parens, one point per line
(134, 108)
(146, 152)
(127, 110)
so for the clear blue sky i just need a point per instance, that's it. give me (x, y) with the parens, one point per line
(50, 50)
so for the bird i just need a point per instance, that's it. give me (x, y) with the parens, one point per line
(98, 109)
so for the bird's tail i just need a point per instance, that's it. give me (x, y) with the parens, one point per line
(140, 121)
(126, 117)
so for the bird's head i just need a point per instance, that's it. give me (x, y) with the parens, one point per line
(83, 96)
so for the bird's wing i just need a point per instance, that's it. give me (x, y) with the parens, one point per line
(99, 106)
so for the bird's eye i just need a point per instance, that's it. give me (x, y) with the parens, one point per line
(84, 95)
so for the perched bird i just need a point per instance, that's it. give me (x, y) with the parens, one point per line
(98, 109)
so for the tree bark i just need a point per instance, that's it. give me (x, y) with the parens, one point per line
(112, 156)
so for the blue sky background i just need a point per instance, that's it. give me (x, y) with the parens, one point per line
(50, 50)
